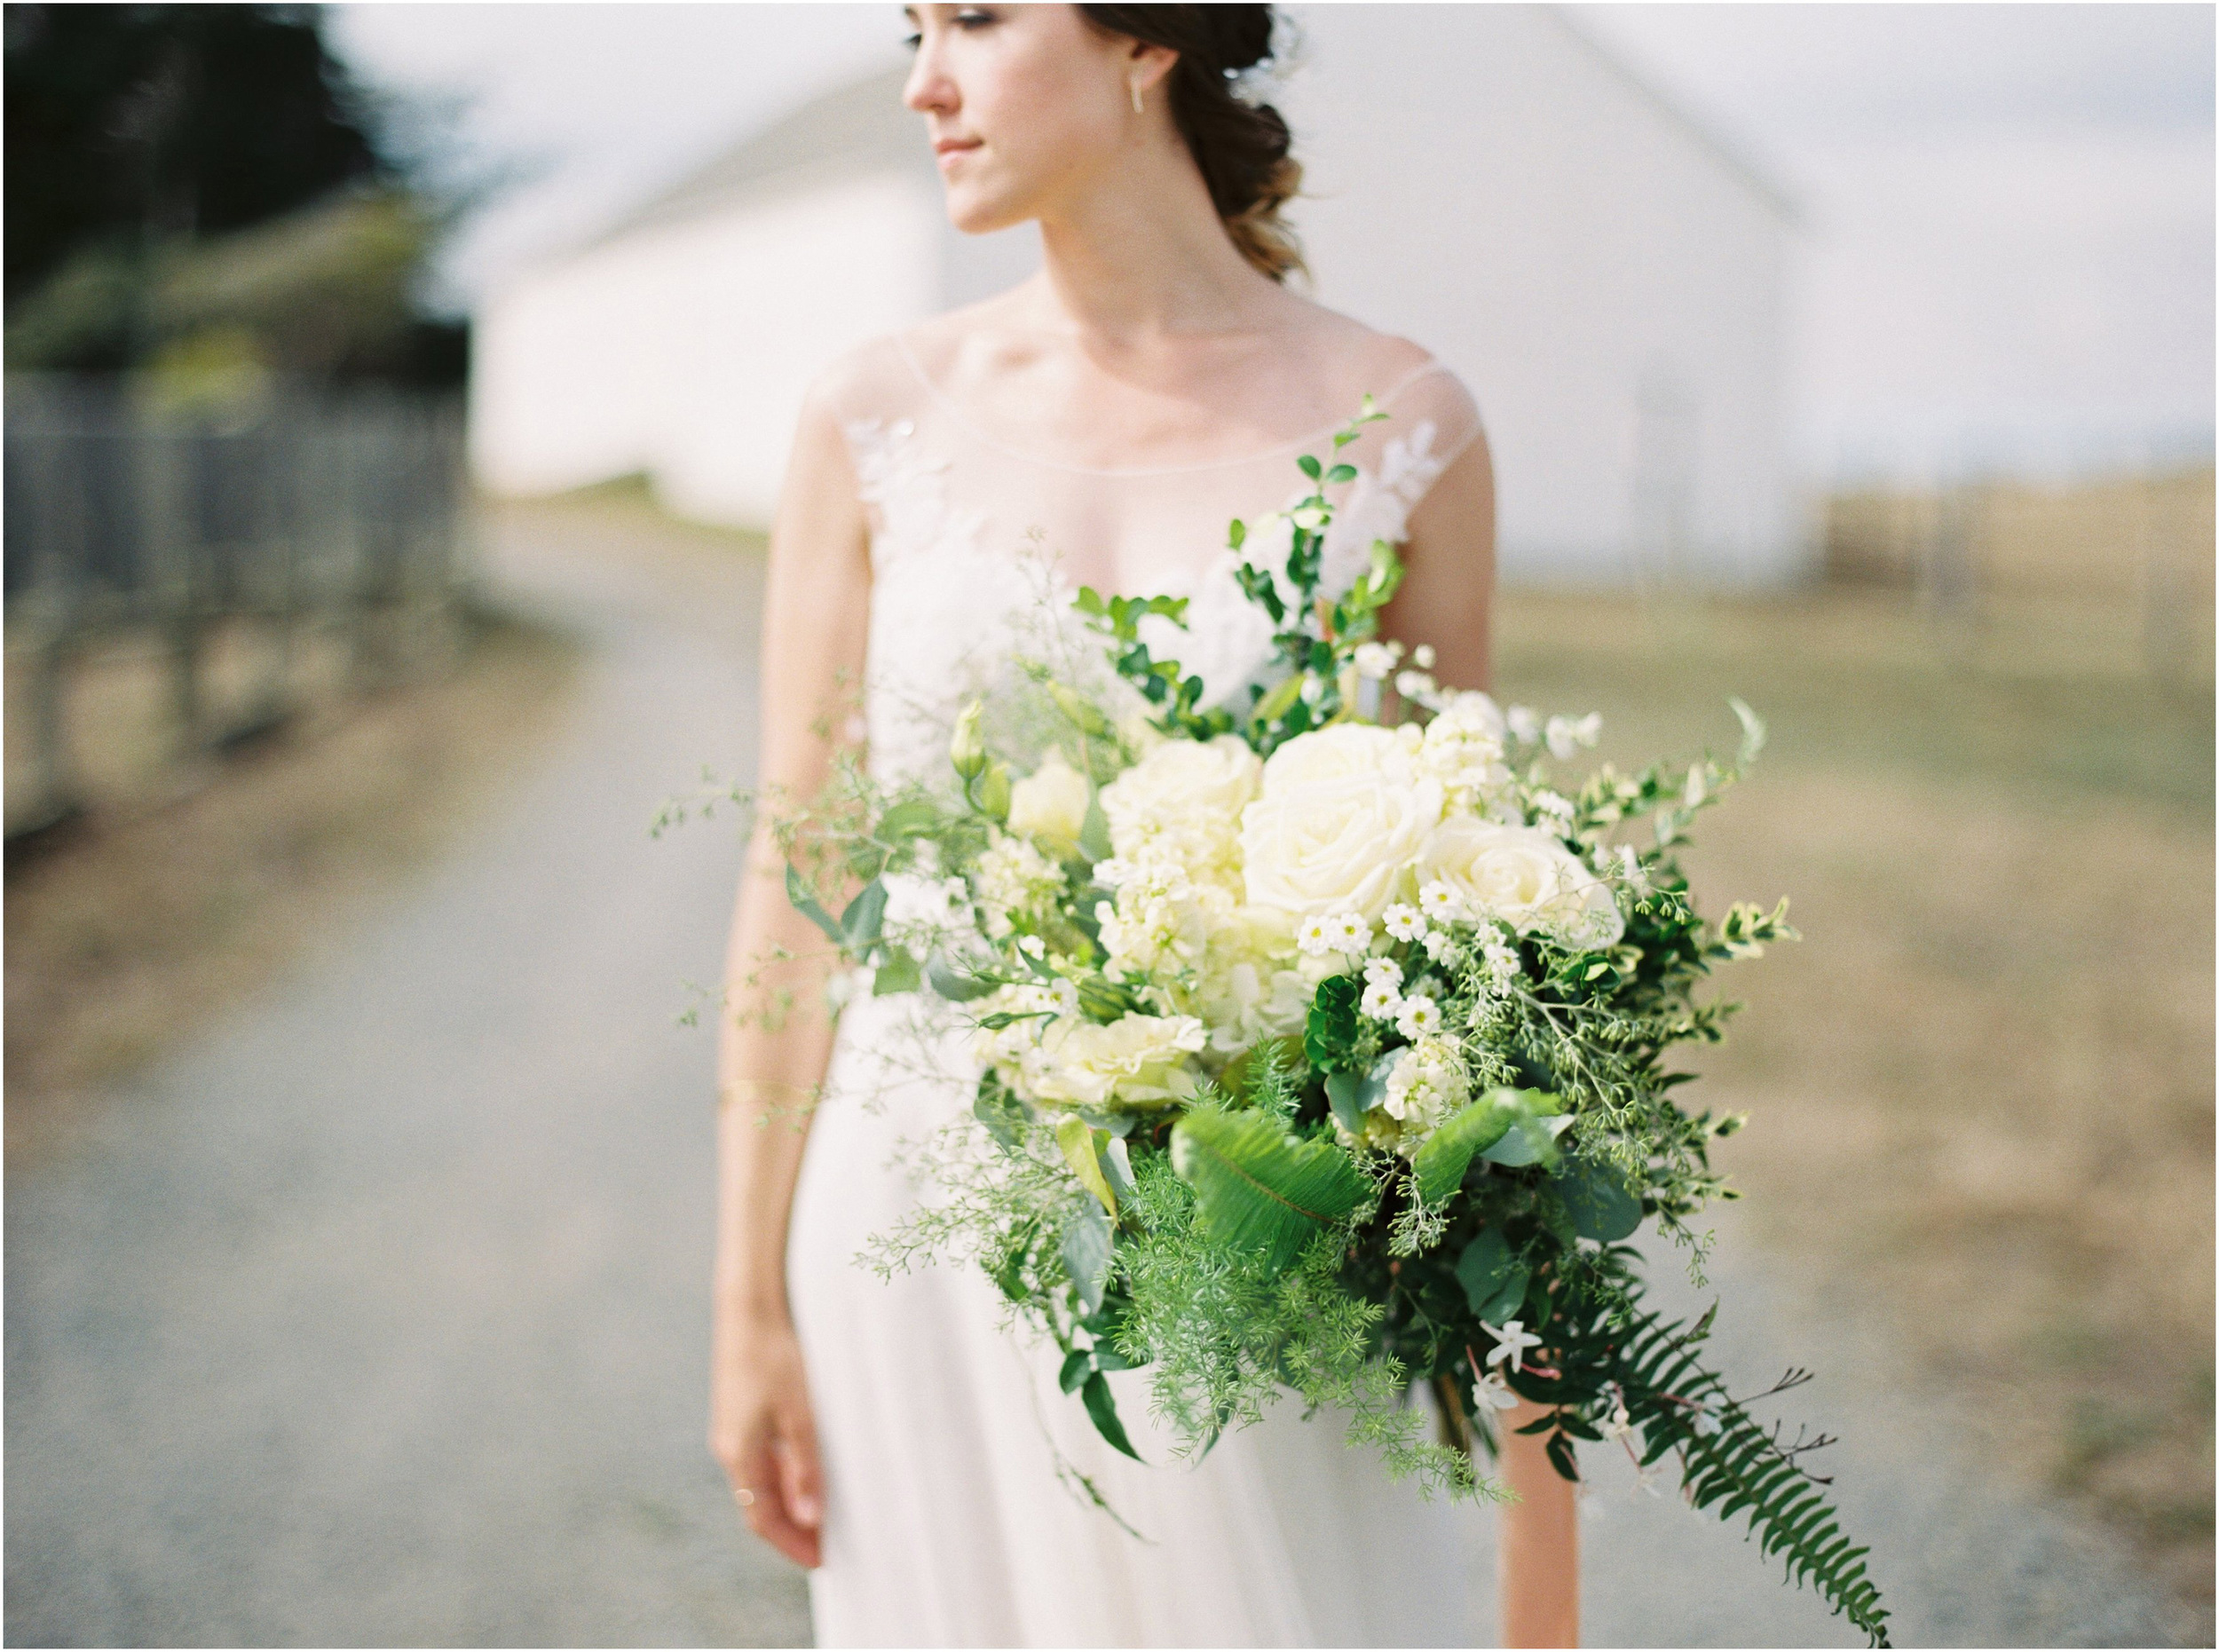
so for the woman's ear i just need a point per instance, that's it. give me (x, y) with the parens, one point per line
(1147, 65)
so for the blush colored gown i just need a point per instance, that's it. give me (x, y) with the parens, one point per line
(946, 1523)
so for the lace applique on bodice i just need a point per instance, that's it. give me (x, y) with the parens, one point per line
(967, 581)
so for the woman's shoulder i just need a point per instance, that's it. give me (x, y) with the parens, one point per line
(1425, 398)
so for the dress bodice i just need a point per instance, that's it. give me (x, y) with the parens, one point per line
(968, 536)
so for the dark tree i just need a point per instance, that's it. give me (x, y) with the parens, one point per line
(169, 121)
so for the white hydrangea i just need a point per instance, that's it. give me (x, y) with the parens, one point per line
(1426, 1084)
(1182, 803)
(1161, 921)
(1013, 879)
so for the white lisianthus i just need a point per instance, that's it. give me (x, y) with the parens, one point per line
(1050, 803)
(1342, 812)
(1142, 1062)
(1183, 799)
(1425, 1085)
(1524, 876)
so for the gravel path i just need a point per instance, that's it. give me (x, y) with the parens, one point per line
(377, 1316)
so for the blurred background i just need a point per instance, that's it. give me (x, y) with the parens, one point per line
(396, 395)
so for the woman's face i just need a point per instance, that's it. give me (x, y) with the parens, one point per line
(1025, 104)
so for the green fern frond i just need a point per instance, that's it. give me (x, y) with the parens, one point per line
(1258, 1188)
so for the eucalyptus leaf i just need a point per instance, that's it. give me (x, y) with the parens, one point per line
(809, 907)
(956, 988)
(1087, 1245)
(1529, 1141)
(860, 923)
(1494, 1281)
(898, 974)
(1597, 1200)
(908, 819)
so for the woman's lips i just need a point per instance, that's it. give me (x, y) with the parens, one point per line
(947, 149)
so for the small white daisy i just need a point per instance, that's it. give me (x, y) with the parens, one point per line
(1441, 902)
(1441, 947)
(1384, 969)
(1382, 1000)
(1031, 946)
(1315, 936)
(1347, 932)
(1403, 921)
(1420, 1016)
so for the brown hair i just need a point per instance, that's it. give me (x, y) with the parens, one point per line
(1241, 149)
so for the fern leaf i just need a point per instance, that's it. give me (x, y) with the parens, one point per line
(1257, 1188)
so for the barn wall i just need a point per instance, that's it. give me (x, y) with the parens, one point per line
(1610, 287)
(684, 350)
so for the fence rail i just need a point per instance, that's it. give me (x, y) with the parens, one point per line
(302, 512)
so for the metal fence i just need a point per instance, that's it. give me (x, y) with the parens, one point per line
(300, 510)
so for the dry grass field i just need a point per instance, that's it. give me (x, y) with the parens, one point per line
(179, 893)
(1981, 1087)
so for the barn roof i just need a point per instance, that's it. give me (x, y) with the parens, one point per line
(863, 127)
(858, 127)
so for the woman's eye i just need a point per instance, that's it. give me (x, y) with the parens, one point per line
(972, 18)
(910, 43)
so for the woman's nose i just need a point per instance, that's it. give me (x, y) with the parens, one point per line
(928, 91)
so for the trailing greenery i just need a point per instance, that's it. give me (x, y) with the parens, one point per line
(1289, 1081)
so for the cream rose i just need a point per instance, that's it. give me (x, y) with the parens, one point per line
(1050, 803)
(1184, 798)
(1522, 875)
(1343, 812)
(1135, 1062)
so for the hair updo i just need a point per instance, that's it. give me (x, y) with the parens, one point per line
(1241, 149)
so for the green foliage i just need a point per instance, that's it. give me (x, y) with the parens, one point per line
(1260, 1189)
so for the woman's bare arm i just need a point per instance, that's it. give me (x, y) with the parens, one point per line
(1446, 600)
(761, 1427)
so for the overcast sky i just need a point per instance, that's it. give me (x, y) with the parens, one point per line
(2007, 241)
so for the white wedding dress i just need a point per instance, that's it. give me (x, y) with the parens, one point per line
(945, 1520)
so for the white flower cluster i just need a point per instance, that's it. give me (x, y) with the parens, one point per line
(1416, 857)
(1013, 880)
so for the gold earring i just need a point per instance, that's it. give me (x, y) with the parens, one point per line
(1133, 85)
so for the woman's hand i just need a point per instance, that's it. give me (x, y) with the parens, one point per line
(762, 1431)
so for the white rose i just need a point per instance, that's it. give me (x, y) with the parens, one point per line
(1183, 798)
(1135, 1062)
(1343, 812)
(1523, 875)
(1050, 803)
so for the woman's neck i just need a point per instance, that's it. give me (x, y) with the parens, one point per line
(1140, 256)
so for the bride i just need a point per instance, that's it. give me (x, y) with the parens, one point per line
(1097, 424)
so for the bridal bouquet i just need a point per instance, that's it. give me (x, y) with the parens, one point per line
(1322, 1044)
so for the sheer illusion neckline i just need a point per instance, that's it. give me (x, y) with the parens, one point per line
(1432, 364)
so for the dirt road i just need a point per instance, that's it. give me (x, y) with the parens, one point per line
(377, 1316)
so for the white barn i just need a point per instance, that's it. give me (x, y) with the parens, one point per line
(1483, 178)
